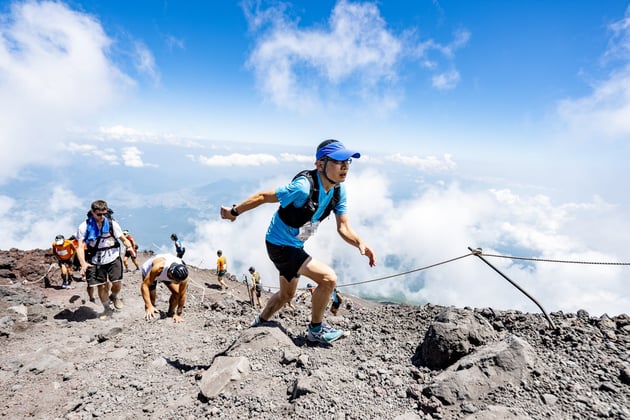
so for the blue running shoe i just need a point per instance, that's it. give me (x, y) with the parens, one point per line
(323, 334)
(257, 322)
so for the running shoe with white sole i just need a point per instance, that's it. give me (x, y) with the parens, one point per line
(323, 334)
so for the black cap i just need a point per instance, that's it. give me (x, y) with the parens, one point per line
(178, 271)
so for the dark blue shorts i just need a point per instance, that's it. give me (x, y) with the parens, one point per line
(287, 259)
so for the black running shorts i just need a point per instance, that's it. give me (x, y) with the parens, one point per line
(287, 259)
(68, 263)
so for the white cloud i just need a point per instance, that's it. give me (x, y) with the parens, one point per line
(238, 159)
(461, 38)
(356, 45)
(132, 156)
(439, 225)
(444, 222)
(120, 132)
(145, 62)
(133, 135)
(253, 159)
(288, 157)
(422, 227)
(85, 149)
(619, 47)
(63, 200)
(173, 42)
(29, 225)
(54, 72)
(108, 154)
(298, 68)
(446, 81)
(429, 163)
(605, 113)
(442, 79)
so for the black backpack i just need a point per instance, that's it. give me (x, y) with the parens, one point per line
(297, 217)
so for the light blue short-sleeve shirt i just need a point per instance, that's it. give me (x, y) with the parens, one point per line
(296, 193)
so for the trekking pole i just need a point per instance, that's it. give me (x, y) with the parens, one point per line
(477, 253)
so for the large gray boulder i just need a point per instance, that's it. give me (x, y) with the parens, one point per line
(224, 371)
(509, 361)
(452, 335)
(231, 367)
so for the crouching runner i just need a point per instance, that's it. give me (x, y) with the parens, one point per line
(173, 273)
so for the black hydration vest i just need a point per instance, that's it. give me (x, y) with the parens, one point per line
(297, 217)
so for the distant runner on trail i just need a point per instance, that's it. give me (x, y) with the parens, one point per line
(301, 298)
(304, 202)
(337, 298)
(256, 285)
(130, 253)
(64, 250)
(173, 273)
(179, 248)
(221, 269)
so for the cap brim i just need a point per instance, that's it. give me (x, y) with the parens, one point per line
(344, 154)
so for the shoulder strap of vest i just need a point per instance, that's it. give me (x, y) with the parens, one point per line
(110, 219)
(313, 195)
(311, 176)
(296, 217)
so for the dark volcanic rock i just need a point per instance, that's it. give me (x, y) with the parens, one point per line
(453, 334)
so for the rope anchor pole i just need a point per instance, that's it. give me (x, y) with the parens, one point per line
(477, 252)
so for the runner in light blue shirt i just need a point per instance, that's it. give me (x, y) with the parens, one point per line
(306, 201)
(296, 193)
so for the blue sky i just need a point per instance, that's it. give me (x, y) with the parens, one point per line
(503, 125)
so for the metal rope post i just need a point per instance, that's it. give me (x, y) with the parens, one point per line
(477, 253)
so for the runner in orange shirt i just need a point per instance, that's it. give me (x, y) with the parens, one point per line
(64, 251)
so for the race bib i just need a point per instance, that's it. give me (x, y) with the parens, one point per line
(308, 230)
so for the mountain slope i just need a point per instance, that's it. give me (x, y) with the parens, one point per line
(61, 361)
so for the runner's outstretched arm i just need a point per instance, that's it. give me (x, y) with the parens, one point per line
(231, 213)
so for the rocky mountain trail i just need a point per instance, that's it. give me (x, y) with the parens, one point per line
(60, 361)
